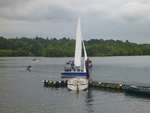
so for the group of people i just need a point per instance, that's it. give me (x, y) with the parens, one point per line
(71, 67)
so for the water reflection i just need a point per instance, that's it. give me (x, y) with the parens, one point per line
(89, 101)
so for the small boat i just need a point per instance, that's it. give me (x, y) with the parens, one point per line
(137, 90)
(78, 67)
(77, 84)
(35, 60)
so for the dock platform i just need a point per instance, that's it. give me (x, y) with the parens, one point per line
(137, 89)
(92, 84)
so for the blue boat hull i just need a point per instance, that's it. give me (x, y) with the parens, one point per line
(73, 74)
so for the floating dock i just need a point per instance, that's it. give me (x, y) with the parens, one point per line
(106, 85)
(92, 84)
(55, 84)
(113, 86)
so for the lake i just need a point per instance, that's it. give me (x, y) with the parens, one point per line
(23, 92)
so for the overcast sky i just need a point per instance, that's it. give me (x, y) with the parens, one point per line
(107, 19)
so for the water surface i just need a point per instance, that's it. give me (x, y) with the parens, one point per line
(23, 92)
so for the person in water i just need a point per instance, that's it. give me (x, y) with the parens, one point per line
(29, 68)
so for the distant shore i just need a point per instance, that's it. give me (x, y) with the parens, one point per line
(16, 47)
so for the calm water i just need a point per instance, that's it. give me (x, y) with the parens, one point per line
(23, 92)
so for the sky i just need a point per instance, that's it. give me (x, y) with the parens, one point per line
(101, 19)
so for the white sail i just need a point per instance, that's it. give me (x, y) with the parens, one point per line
(78, 46)
(85, 55)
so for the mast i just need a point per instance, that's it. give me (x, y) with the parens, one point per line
(78, 46)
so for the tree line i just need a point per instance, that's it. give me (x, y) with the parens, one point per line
(64, 47)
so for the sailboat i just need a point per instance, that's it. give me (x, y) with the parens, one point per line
(77, 67)
(76, 71)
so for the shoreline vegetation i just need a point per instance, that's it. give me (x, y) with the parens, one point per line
(64, 47)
